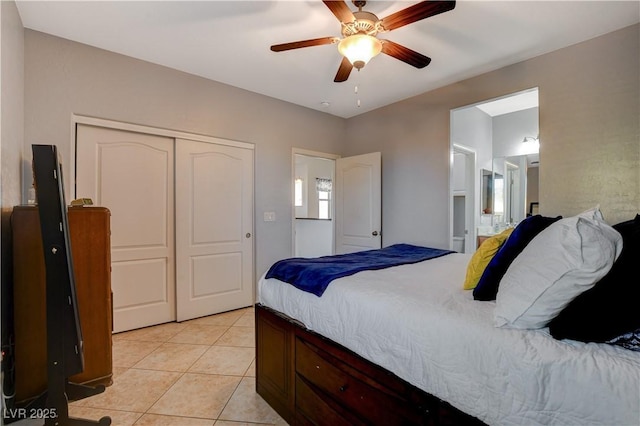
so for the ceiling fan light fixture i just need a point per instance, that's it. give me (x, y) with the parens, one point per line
(359, 49)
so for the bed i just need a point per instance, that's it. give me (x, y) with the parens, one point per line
(407, 344)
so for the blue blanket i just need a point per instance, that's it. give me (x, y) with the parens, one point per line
(315, 274)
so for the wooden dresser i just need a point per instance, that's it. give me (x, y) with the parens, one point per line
(90, 237)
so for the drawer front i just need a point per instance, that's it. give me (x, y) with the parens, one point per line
(313, 408)
(370, 403)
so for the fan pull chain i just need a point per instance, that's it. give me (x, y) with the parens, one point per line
(356, 88)
(355, 91)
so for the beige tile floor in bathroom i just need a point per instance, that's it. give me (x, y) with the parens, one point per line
(194, 373)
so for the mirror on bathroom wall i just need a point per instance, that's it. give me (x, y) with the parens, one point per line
(486, 191)
(520, 186)
(491, 193)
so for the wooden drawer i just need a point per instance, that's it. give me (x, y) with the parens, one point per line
(367, 399)
(313, 408)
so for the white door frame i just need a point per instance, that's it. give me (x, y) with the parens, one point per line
(308, 153)
(470, 196)
(512, 197)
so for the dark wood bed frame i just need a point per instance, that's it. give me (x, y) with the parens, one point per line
(311, 380)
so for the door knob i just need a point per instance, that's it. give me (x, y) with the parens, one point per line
(248, 235)
(374, 233)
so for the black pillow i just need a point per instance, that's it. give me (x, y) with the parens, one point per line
(487, 287)
(610, 308)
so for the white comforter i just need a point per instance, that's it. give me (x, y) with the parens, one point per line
(417, 322)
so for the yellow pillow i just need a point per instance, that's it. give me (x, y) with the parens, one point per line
(482, 257)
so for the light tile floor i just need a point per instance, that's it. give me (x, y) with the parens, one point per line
(194, 373)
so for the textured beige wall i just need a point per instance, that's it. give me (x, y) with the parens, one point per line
(11, 136)
(64, 78)
(590, 127)
(12, 104)
(589, 137)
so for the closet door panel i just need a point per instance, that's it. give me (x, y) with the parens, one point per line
(132, 174)
(214, 228)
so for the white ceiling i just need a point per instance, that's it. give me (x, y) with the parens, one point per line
(228, 41)
(518, 102)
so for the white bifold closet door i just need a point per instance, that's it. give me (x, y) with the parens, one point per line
(181, 222)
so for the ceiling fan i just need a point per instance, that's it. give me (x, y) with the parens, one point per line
(359, 30)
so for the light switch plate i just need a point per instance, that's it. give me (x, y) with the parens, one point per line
(269, 216)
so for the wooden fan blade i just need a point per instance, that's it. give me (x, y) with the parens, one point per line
(416, 12)
(304, 43)
(405, 54)
(340, 10)
(343, 71)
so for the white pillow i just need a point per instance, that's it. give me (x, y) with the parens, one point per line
(562, 261)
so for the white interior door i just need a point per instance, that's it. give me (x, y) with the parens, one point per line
(358, 203)
(214, 228)
(132, 175)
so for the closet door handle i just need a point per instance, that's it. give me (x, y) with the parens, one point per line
(374, 233)
(248, 235)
